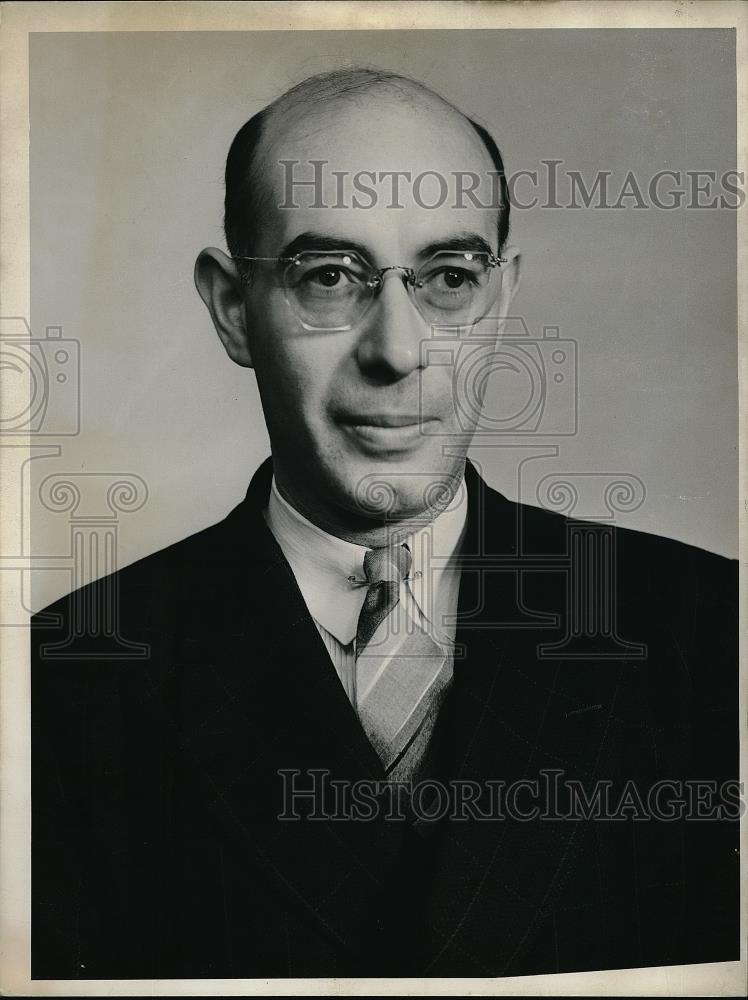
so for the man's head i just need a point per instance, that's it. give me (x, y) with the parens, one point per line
(356, 397)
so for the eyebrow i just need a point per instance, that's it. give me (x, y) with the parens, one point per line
(462, 242)
(320, 241)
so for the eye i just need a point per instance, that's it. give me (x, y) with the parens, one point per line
(329, 277)
(454, 279)
(450, 279)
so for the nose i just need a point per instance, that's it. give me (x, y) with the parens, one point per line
(389, 347)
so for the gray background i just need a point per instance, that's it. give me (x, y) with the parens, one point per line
(129, 133)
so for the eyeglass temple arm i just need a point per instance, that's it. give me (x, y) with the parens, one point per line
(493, 261)
(282, 260)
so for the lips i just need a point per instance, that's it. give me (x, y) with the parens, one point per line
(386, 433)
(382, 419)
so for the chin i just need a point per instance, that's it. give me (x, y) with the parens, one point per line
(399, 490)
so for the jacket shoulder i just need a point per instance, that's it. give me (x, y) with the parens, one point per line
(175, 570)
(540, 529)
(655, 576)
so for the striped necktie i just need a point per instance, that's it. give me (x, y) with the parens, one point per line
(400, 670)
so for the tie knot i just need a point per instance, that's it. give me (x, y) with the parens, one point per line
(387, 563)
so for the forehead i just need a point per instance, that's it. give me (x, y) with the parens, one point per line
(388, 171)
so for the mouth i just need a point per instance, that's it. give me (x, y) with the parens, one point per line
(387, 432)
(382, 419)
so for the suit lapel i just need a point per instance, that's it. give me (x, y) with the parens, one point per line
(510, 716)
(268, 717)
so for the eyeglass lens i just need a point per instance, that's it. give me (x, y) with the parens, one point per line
(333, 291)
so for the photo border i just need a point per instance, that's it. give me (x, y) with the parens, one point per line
(17, 21)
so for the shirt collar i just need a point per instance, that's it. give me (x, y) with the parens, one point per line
(328, 569)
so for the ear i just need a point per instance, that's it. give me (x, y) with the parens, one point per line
(220, 287)
(511, 275)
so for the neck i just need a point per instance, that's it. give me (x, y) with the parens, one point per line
(369, 532)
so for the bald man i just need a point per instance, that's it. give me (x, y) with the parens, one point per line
(346, 732)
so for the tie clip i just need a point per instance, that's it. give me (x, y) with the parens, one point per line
(355, 581)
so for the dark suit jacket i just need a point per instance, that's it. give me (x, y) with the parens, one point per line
(158, 735)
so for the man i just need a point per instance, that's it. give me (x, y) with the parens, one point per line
(334, 740)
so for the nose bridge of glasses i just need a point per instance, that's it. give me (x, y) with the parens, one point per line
(376, 281)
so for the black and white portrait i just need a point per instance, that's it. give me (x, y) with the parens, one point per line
(378, 497)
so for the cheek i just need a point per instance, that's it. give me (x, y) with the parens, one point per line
(462, 384)
(296, 375)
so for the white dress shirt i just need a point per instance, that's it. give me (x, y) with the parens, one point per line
(330, 575)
